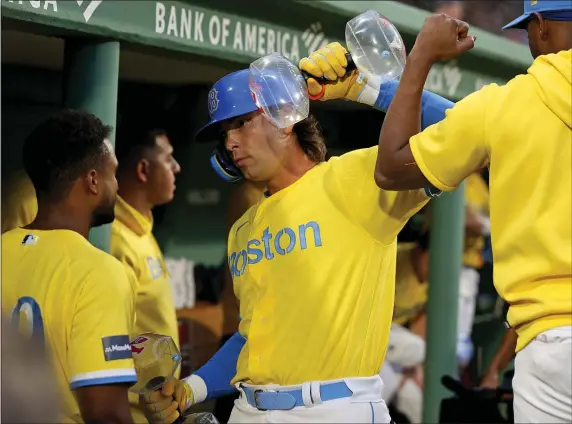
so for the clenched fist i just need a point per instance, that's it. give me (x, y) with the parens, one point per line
(443, 38)
(166, 405)
(330, 62)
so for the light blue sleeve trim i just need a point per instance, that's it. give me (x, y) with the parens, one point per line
(103, 381)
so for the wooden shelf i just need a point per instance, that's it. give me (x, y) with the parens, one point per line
(200, 332)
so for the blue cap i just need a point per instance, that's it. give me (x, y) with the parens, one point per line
(229, 97)
(538, 6)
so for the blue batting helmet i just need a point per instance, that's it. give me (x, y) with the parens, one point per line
(228, 98)
(556, 10)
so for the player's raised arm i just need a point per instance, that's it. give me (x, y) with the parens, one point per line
(330, 62)
(383, 213)
(456, 143)
(100, 355)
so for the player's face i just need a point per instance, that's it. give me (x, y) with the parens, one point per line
(257, 147)
(107, 190)
(161, 172)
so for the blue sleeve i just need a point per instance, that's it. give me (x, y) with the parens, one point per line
(433, 106)
(221, 368)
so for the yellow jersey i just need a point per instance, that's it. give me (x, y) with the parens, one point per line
(313, 267)
(243, 196)
(133, 244)
(19, 204)
(477, 198)
(523, 131)
(57, 286)
(410, 293)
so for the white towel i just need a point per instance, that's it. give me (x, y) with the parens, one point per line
(182, 279)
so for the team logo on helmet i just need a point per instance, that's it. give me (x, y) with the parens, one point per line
(213, 101)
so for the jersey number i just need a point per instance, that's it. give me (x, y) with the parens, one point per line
(31, 310)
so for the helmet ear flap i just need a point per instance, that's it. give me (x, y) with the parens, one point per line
(224, 166)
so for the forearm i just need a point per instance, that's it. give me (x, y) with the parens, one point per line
(433, 106)
(213, 379)
(403, 117)
(505, 353)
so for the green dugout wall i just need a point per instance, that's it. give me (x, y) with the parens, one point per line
(213, 38)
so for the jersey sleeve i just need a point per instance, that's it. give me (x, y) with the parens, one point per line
(454, 148)
(381, 213)
(99, 349)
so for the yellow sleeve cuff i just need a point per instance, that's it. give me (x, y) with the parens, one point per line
(414, 145)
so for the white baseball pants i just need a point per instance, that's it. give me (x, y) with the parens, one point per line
(365, 406)
(542, 382)
(405, 350)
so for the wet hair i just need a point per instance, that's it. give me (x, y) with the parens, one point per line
(62, 148)
(311, 139)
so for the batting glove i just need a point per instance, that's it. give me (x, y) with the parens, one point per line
(166, 405)
(330, 62)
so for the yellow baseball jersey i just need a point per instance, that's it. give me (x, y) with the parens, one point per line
(57, 286)
(410, 294)
(133, 243)
(522, 131)
(19, 204)
(313, 267)
(477, 198)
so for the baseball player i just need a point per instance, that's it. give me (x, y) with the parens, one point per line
(522, 131)
(146, 178)
(57, 287)
(313, 264)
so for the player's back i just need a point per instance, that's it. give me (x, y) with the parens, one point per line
(47, 276)
(531, 194)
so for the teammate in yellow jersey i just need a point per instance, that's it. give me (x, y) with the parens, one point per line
(522, 131)
(146, 177)
(313, 266)
(59, 288)
(19, 204)
(477, 226)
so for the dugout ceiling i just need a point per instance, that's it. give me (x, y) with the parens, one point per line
(203, 39)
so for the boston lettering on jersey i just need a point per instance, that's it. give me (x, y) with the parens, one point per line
(282, 243)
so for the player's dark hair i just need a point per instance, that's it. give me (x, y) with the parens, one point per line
(310, 138)
(134, 143)
(62, 148)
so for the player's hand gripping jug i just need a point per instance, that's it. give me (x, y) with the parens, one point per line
(156, 359)
(279, 88)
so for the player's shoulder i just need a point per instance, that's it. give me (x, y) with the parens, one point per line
(86, 255)
(119, 230)
(355, 155)
(245, 219)
(9, 236)
(19, 182)
(355, 162)
(495, 93)
(58, 242)
(104, 274)
(123, 241)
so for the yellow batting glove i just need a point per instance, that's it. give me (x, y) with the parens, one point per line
(330, 62)
(166, 405)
